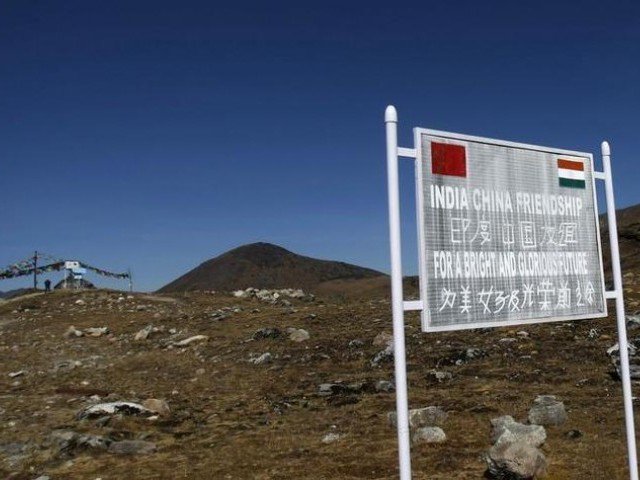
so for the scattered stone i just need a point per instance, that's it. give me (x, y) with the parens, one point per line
(262, 359)
(132, 447)
(421, 417)
(73, 332)
(547, 410)
(96, 331)
(270, 332)
(471, 354)
(573, 434)
(593, 334)
(299, 335)
(17, 374)
(329, 389)
(356, 343)
(68, 441)
(331, 437)
(143, 334)
(429, 435)
(515, 461)
(14, 453)
(633, 321)
(385, 386)
(80, 302)
(113, 408)
(439, 376)
(383, 339)
(161, 407)
(634, 361)
(382, 356)
(272, 296)
(507, 430)
(188, 341)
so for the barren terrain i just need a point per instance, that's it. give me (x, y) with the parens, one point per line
(232, 417)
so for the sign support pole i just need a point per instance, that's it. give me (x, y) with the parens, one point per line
(622, 323)
(397, 306)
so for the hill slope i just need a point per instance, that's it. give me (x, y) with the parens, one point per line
(629, 241)
(263, 265)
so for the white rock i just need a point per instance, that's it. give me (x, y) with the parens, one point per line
(190, 340)
(102, 409)
(262, 359)
(331, 437)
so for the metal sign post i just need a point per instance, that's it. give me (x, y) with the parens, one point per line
(618, 294)
(508, 234)
(402, 405)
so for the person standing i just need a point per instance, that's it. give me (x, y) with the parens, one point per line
(47, 285)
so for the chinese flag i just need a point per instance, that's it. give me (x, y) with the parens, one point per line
(447, 159)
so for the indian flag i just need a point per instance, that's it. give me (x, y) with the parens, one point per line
(571, 173)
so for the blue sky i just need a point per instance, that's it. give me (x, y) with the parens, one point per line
(155, 135)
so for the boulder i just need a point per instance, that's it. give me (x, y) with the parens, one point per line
(421, 417)
(515, 461)
(547, 410)
(506, 430)
(114, 408)
(428, 435)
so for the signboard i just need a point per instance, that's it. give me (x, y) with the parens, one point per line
(70, 265)
(508, 233)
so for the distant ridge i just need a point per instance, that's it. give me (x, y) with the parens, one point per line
(264, 265)
(629, 240)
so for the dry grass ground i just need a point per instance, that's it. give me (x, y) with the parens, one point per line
(235, 420)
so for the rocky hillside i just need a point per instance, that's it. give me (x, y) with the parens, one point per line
(263, 265)
(106, 385)
(15, 293)
(629, 238)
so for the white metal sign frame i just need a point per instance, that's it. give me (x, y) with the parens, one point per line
(399, 306)
(426, 327)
